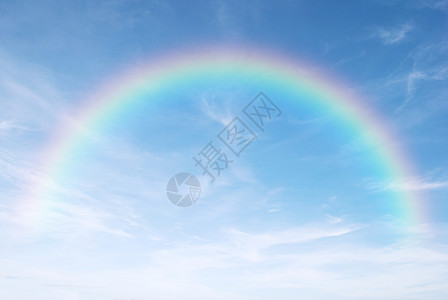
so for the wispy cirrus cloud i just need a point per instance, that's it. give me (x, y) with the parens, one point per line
(390, 36)
(412, 184)
(432, 4)
(248, 261)
(8, 125)
(419, 185)
(214, 111)
(417, 76)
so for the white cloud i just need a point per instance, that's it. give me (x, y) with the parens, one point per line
(419, 185)
(343, 61)
(432, 4)
(423, 66)
(393, 35)
(251, 246)
(215, 112)
(437, 73)
(334, 220)
(309, 261)
(7, 125)
(410, 185)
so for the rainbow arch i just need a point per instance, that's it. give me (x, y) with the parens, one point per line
(174, 67)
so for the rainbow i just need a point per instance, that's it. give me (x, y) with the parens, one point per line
(178, 67)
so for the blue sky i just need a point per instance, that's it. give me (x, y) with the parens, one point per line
(303, 213)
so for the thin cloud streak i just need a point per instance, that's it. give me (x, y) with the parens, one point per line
(394, 35)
